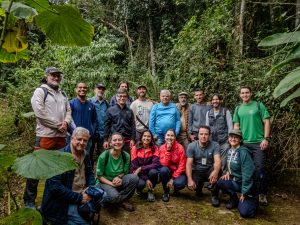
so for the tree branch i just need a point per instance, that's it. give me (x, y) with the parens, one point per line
(118, 29)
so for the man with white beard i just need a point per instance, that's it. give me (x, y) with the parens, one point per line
(184, 107)
(101, 106)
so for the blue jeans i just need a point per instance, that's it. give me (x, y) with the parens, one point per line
(165, 175)
(152, 176)
(248, 207)
(74, 218)
(259, 160)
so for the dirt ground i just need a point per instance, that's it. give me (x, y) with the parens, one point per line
(283, 209)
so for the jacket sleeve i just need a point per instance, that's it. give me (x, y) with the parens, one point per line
(177, 119)
(38, 106)
(68, 116)
(152, 119)
(89, 175)
(107, 125)
(248, 168)
(164, 156)
(61, 192)
(190, 120)
(134, 160)
(182, 162)
(155, 161)
(94, 119)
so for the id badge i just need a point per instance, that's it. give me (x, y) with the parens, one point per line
(203, 161)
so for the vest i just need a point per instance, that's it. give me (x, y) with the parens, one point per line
(218, 125)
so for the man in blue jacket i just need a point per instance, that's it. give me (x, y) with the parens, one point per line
(164, 116)
(83, 111)
(64, 192)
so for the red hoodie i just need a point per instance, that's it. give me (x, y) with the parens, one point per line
(174, 159)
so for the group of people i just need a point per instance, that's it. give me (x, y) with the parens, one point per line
(141, 143)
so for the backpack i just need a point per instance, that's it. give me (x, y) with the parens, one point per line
(46, 92)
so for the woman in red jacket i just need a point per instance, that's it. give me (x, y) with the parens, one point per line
(172, 158)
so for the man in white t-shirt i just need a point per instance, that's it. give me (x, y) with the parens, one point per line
(141, 109)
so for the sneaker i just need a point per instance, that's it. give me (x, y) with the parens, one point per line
(29, 205)
(263, 199)
(165, 197)
(233, 202)
(215, 202)
(151, 197)
(127, 206)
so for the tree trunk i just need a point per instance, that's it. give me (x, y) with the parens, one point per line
(241, 26)
(151, 42)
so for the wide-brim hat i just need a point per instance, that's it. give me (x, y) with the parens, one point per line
(237, 132)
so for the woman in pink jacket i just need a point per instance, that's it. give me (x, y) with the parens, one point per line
(172, 158)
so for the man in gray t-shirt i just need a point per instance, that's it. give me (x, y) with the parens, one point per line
(203, 164)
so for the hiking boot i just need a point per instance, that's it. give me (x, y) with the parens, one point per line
(233, 202)
(127, 206)
(29, 205)
(263, 199)
(215, 202)
(151, 197)
(165, 197)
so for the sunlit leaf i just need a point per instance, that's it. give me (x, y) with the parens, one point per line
(2, 146)
(28, 115)
(63, 25)
(39, 5)
(20, 10)
(280, 38)
(43, 164)
(289, 98)
(2, 12)
(6, 57)
(22, 217)
(287, 83)
(12, 43)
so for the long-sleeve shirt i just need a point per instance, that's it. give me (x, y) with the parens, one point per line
(174, 159)
(120, 120)
(197, 116)
(164, 117)
(147, 159)
(50, 111)
(84, 114)
(101, 108)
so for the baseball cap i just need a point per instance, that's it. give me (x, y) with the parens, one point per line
(50, 70)
(141, 85)
(100, 85)
(236, 132)
(183, 93)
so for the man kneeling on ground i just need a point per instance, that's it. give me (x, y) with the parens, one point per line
(203, 164)
(63, 193)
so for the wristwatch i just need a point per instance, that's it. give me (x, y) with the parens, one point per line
(268, 138)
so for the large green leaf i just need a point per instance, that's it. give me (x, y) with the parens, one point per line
(6, 57)
(20, 10)
(39, 5)
(63, 25)
(43, 164)
(287, 83)
(23, 217)
(289, 98)
(2, 146)
(280, 38)
(6, 160)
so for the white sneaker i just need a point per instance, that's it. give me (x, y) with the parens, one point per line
(263, 199)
